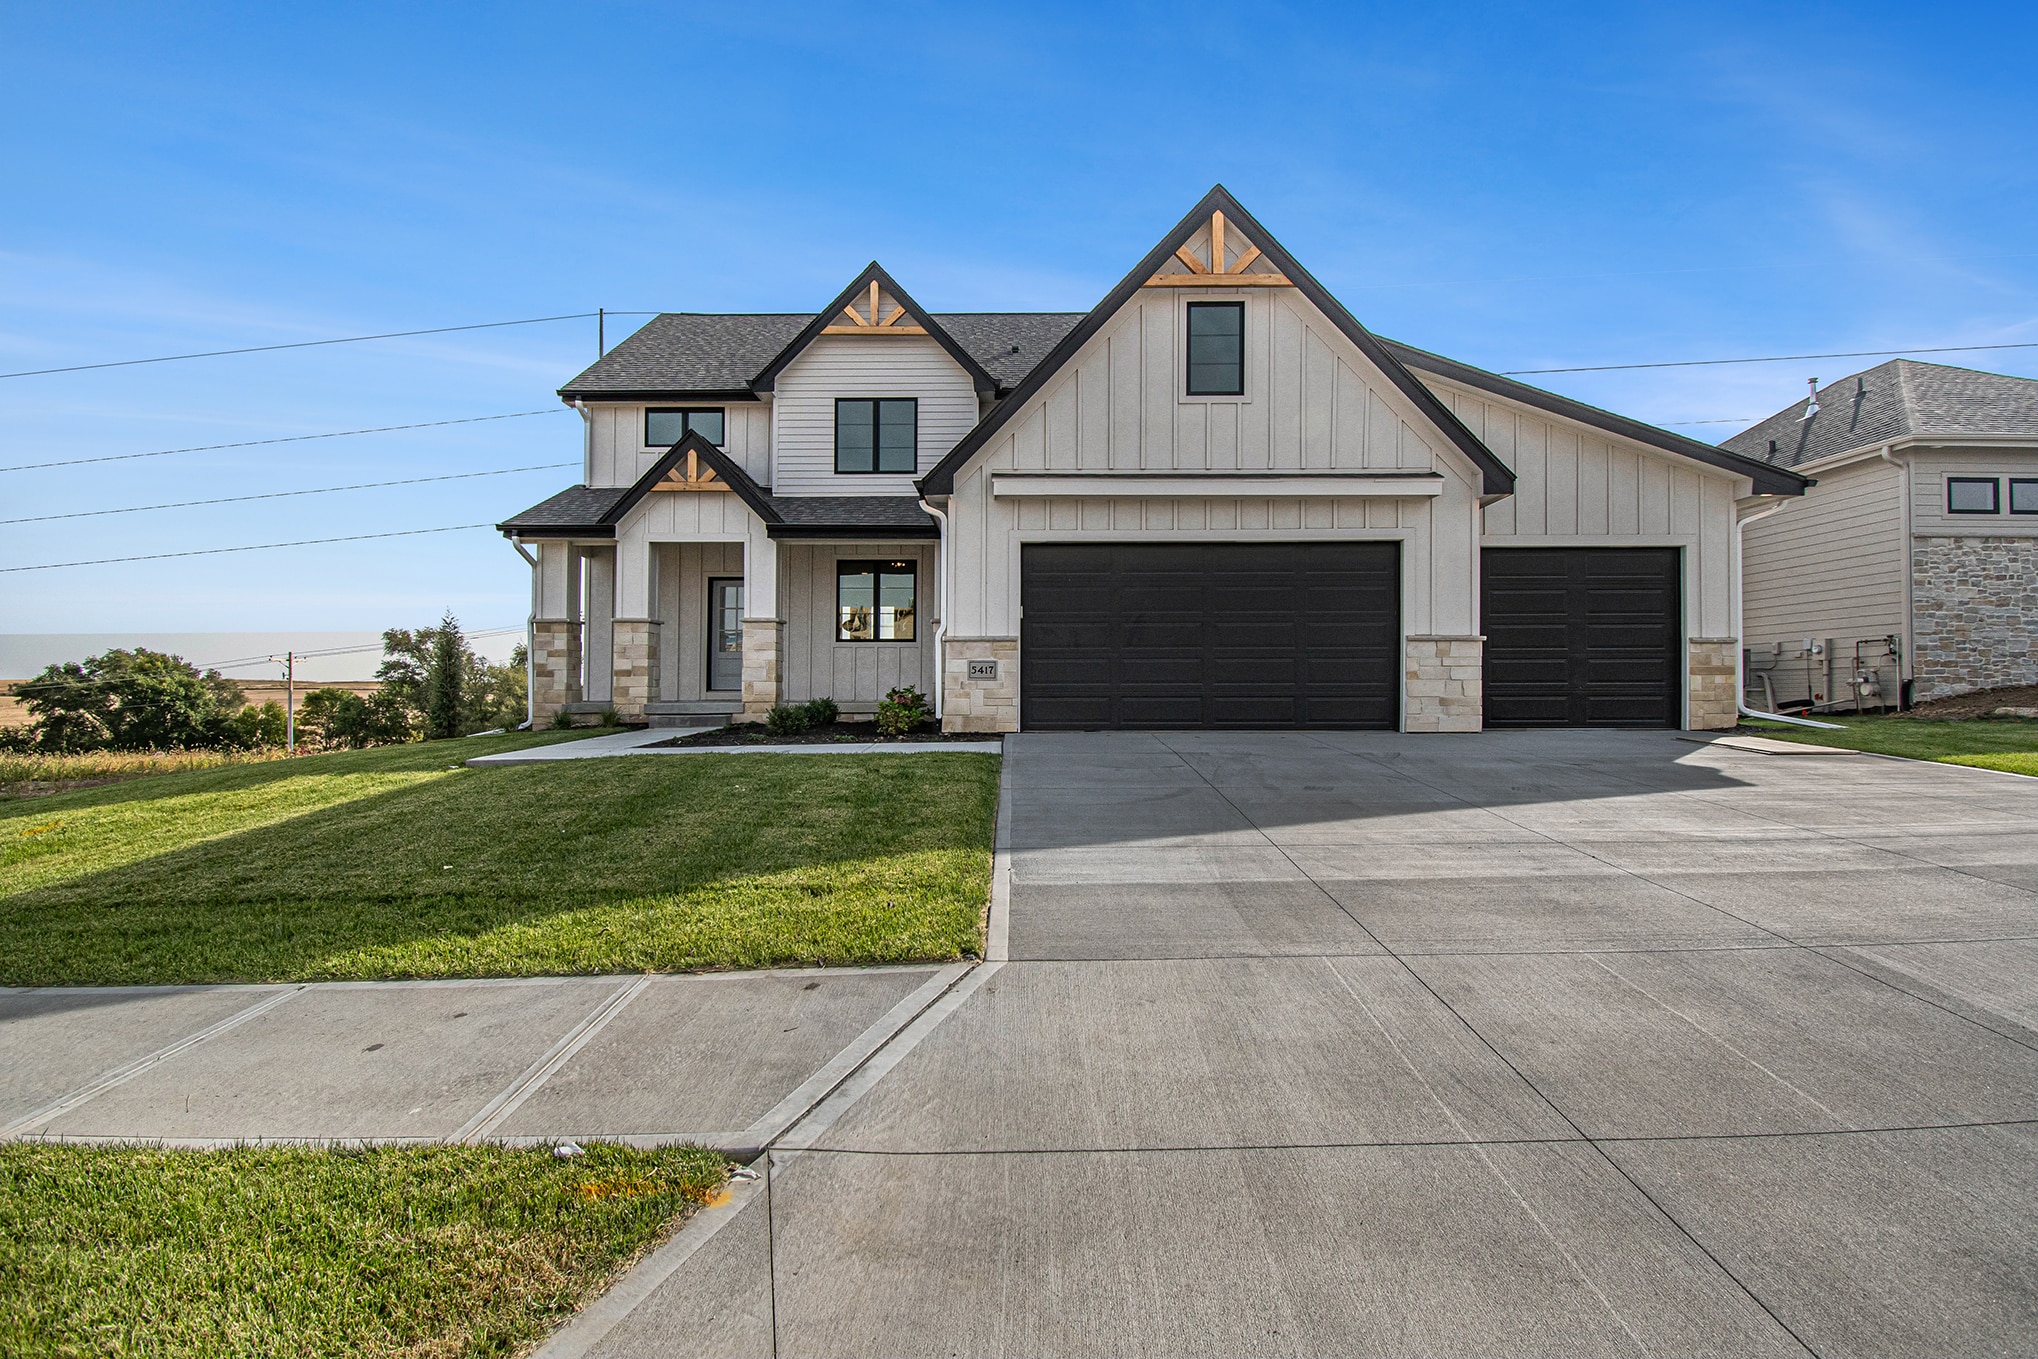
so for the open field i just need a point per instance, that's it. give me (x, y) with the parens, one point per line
(2006, 743)
(396, 862)
(396, 1251)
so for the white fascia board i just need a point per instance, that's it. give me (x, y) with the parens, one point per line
(1178, 484)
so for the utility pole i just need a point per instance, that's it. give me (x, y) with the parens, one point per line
(601, 331)
(290, 701)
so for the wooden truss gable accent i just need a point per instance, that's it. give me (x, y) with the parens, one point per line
(690, 475)
(881, 316)
(1216, 272)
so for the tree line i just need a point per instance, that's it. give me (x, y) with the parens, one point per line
(433, 686)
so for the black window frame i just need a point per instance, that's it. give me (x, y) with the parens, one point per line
(2032, 482)
(1995, 494)
(877, 571)
(686, 423)
(1189, 348)
(877, 405)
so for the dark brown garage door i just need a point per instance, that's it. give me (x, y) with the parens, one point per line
(1236, 635)
(1582, 636)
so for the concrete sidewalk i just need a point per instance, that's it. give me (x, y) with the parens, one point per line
(1550, 1043)
(725, 1059)
(646, 743)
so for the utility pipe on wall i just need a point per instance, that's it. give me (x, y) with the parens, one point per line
(940, 518)
(1741, 641)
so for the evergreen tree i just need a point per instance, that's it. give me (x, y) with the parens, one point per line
(446, 681)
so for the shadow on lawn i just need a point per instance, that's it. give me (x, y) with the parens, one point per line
(440, 865)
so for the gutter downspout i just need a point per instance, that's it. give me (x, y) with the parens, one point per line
(1906, 490)
(530, 646)
(1740, 641)
(940, 518)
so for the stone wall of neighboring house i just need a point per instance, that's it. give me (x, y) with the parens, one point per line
(1974, 602)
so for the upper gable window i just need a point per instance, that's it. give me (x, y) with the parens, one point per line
(1217, 349)
(877, 434)
(665, 426)
(1973, 495)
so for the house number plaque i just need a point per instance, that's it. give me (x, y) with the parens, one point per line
(983, 670)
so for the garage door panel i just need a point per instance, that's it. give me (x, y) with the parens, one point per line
(1231, 635)
(1583, 637)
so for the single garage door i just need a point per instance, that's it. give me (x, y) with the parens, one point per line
(1236, 635)
(1582, 636)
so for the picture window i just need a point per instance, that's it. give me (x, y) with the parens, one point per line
(1973, 495)
(2023, 495)
(665, 426)
(877, 434)
(1217, 349)
(874, 601)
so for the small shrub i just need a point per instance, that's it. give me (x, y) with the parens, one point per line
(821, 712)
(609, 717)
(562, 721)
(788, 719)
(903, 711)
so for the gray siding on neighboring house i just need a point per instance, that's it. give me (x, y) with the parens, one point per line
(854, 674)
(1576, 486)
(1829, 565)
(864, 366)
(1975, 577)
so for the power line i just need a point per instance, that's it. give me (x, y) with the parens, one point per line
(291, 439)
(203, 666)
(300, 344)
(1774, 358)
(251, 547)
(278, 495)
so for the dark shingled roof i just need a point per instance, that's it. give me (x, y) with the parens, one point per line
(1892, 401)
(680, 354)
(808, 516)
(574, 507)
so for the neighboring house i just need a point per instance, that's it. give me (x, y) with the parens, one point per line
(1913, 563)
(1214, 500)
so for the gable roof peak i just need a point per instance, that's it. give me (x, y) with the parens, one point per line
(857, 310)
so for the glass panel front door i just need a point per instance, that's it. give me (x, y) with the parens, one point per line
(725, 634)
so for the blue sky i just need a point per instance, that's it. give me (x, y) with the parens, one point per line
(1513, 187)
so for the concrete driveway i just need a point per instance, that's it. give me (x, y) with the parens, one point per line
(1550, 1043)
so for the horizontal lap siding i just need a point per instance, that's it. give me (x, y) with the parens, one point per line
(856, 366)
(1831, 564)
(616, 437)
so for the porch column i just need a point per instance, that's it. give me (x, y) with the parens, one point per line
(601, 614)
(555, 632)
(763, 629)
(634, 669)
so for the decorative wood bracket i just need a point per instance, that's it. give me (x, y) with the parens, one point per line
(1215, 274)
(859, 324)
(693, 477)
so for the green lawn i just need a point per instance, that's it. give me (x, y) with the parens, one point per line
(411, 1251)
(2005, 743)
(399, 863)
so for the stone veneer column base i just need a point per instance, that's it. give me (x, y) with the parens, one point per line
(1711, 703)
(1446, 684)
(982, 704)
(555, 668)
(633, 674)
(763, 667)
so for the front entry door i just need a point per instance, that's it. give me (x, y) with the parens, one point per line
(725, 634)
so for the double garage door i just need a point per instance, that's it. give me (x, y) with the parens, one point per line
(1258, 636)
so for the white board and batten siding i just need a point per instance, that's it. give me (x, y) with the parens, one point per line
(803, 426)
(1830, 564)
(684, 570)
(1577, 486)
(851, 673)
(1312, 402)
(618, 455)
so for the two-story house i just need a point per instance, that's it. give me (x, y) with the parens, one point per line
(1213, 500)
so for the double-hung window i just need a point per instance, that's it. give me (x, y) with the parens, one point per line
(874, 601)
(877, 434)
(1974, 495)
(1217, 349)
(665, 426)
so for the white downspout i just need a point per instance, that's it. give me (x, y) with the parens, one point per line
(1741, 641)
(941, 624)
(530, 645)
(1906, 490)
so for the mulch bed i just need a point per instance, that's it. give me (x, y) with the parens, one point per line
(1981, 704)
(835, 733)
